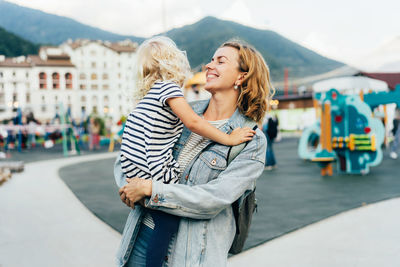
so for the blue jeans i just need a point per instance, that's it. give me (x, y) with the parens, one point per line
(269, 156)
(139, 251)
(151, 246)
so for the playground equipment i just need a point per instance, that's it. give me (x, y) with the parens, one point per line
(347, 132)
(65, 127)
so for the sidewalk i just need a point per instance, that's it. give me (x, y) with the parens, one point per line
(365, 237)
(42, 223)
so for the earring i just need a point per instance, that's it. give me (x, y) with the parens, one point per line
(235, 87)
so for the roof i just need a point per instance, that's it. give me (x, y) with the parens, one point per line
(120, 47)
(198, 78)
(13, 62)
(350, 85)
(390, 78)
(37, 61)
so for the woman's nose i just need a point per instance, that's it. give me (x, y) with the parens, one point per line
(209, 65)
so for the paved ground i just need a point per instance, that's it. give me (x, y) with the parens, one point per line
(364, 237)
(290, 197)
(44, 224)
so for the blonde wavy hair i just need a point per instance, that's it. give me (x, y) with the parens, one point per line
(256, 89)
(159, 59)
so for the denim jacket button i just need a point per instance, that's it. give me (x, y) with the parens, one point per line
(213, 162)
(186, 177)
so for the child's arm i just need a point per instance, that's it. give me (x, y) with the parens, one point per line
(200, 126)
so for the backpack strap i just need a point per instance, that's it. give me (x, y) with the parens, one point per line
(235, 150)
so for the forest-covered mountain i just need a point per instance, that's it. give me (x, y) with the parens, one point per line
(200, 39)
(40, 27)
(12, 45)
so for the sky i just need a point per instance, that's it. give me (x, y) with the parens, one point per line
(344, 30)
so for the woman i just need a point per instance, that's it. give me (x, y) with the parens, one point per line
(238, 80)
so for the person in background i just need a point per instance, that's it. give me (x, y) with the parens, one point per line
(270, 129)
(396, 135)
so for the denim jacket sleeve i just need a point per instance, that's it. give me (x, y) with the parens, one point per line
(204, 201)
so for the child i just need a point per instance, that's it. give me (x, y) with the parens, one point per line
(155, 125)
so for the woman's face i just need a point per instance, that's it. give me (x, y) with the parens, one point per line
(223, 71)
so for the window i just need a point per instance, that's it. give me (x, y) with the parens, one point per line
(82, 86)
(105, 86)
(106, 109)
(105, 76)
(82, 76)
(2, 98)
(28, 98)
(94, 86)
(93, 76)
(56, 80)
(68, 80)
(93, 65)
(2, 75)
(105, 65)
(27, 74)
(93, 53)
(105, 99)
(83, 99)
(42, 80)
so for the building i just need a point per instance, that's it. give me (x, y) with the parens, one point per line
(85, 76)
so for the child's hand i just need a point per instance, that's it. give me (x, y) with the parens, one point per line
(241, 135)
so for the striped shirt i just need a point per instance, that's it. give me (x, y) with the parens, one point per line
(193, 146)
(150, 133)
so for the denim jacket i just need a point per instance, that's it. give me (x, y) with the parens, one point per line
(203, 199)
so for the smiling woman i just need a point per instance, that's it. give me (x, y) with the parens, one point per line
(238, 80)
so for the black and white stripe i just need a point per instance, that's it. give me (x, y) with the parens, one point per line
(150, 133)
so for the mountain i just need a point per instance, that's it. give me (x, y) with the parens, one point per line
(201, 39)
(40, 27)
(12, 45)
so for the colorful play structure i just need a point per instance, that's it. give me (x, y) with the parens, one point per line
(347, 131)
(62, 123)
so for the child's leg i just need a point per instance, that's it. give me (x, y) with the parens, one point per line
(165, 226)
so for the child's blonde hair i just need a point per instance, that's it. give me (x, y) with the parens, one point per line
(159, 59)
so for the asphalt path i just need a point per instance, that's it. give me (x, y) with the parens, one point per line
(290, 197)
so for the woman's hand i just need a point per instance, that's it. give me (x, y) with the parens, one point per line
(135, 190)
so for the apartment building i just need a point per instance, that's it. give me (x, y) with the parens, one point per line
(85, 76)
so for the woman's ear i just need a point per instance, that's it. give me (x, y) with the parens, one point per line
(241, 77)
